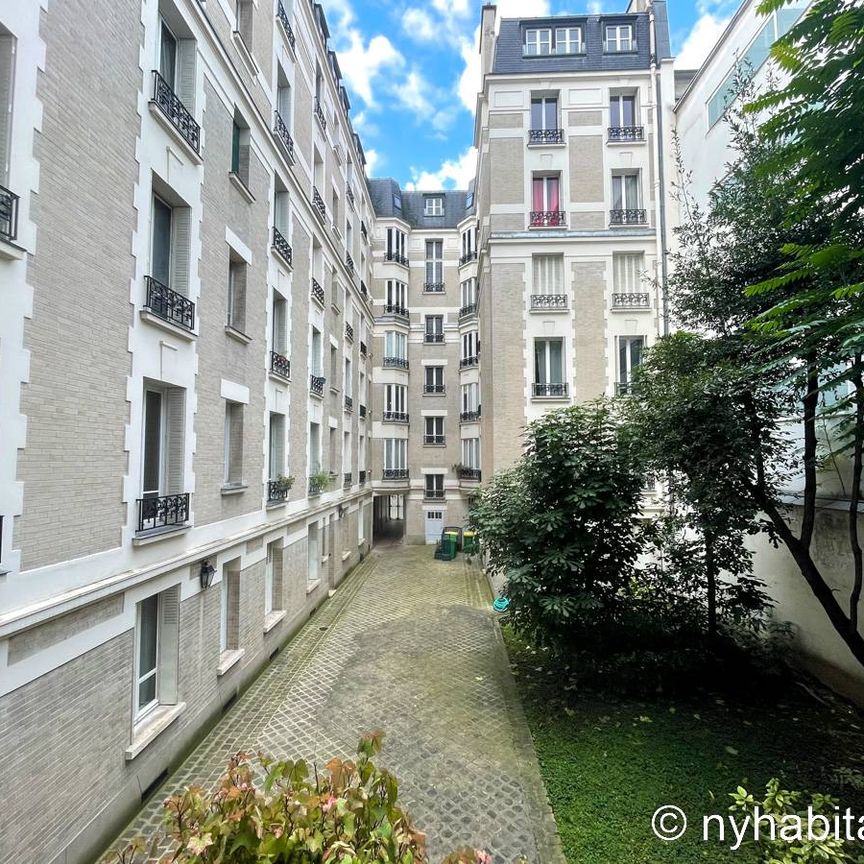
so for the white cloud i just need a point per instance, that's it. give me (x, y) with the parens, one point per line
(452, 8)
(453, 174)
(363, 64)
(469, 82)
(373, 160)
(418, 24)
(521, 9)
(413, 92)
(700, 40)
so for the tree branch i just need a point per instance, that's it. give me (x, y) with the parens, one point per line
(811, 403)
(854, 542)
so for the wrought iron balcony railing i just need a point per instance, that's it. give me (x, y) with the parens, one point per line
(396, 362)
(8, 215)
(282, 15)
(623, 388)
(163, 511)
(317, 291)
(283, 136)
(626, 133)
(433, 494)
(630, 301)
(549, 389)
(317, 485)
(548, 301)
(280, 364)
(349, 332)
(393, 309)
(277, 490)
(394, 474)
(467, 362)
(316, 385)
(545, 136)
(349, 262)
(169, 305)
(433, 337)
(349, 194)
(434, 440)
(319, 205)
(363, 350)
(468, 256)
(319, 114)
(469, 416)
(395, 416)
(399, 259)
(363, 289)
(282, 246)
(347, 477)
(469, 473)
(435, 389)
(361, 477)
(628, 216)
(349, 403)
(548, 219)
(361, 410)
(171, 106)
(433, 287)
(468, 310)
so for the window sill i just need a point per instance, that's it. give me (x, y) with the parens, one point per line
(172, 130)
(282, 379)
(157, 534)
(153, 725)
(361, 541)
(12, 251)
(245, 53)
(238, 183)
(167, 326)
(311, 586)
(228, 660)
(550, 398)
(557, 310)
(233, 490)
(441, 393)
(239, 335)
(615, 309)
(346, 554)
(618, 142)
(272, 505)
(438, 444)
(271, 620)
(536, 145)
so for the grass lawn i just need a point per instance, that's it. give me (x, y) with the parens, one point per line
(609, 761)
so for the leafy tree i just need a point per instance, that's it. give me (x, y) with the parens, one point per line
(560, 525)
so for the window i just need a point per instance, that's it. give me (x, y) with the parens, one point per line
(314, 448)
(168, 56)
(470, 398)
(316, 358)
(313, 556)
(236, 294)
(434, 265)
(468, 293)
(622, 111)
(471, 453)
(282, 210)
(160, 256)
(537, 42)
(469, 244)
(229, 607)
(434, 486)
(629, 357)
(544, 113)
(395, 345)
(627, 269)
(548, 274)
(619, 37)
(283, 99)
(240, 150)
(395, 454)
(433, 379)
(625, 191)
(549, 368)
(273, 577)
(233, 449)
(280, 324)
(245, 16)
(568, 40)
(163, 452)
(397, 296)
(396, 245)
(433, 206)
(395, 402)
(276, 455)
(434, 328)
(470, 348)
(433, 431)
(347, 380)
(147, 671)
(546, 203)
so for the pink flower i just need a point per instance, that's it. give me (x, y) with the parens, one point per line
(482, 856)
(328, 803)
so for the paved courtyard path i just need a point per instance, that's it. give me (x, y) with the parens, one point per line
(409, 645)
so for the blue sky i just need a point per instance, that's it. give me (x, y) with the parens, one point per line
(412, 71)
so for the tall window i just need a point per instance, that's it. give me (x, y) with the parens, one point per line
(233, 447)
(237, 293)
(272, 565)
(544, 112)
(622, 111)
(314, 448)
(160, 257)
(163, 445)
(568, 40)
(395, 245)
(433, 380)
(434, 328)
(433, 430)
(395, 401)
(168, 56)
(316, 358)
(549, 367)
(240, 150)
(395, 454)
(629, 357)
(470, 398)
(434, 265)
(245, 16)
(433, 205)
(280, 324)
(625, 191)
(395, 345)
(537, 42)
(276, 456)
(229, 607)
(469, 242)
(470, 347)
(471, 453)
(618, 37)
(147, 671)
(545, 194)
(548, 274)
(468, 292)
(627, 271)
(434, 486)
(397, 295)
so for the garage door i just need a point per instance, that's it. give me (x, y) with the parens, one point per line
(434, 525)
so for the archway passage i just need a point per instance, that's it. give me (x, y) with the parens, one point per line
(388, 519)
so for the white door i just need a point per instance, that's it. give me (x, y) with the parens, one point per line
(434, 525)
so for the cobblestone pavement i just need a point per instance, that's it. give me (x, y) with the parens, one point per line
(408, 645)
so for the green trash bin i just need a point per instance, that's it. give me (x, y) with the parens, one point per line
(451, 541)
(469, 542)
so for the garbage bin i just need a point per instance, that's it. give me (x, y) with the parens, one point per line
(469, 542)
(452, 538)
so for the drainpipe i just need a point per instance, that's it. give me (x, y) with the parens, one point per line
(660, 185)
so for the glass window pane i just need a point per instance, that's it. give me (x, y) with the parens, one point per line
(148, 622)
(551, 114)
(161, 263)
(152, 443)
(540, 371)
(168, 57)
(556, 362)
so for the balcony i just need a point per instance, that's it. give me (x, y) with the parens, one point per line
(349, 194)
(467, 310)
(318, 484)
(433, 338)
(363, 232)
(549, 302)
(548, 219)
(316, 385)
(349, 403)
(398, 259)
(469, 362)
(164, 511)
(434, 440)
(394, 417)
(364, 291)
(467, 258)
(283, 136)
(277, 491)
(319, 205)
(8, 215)
(280, 365)
(395, 362)
(319, 114)
(434, 389)
(469, 416)
(349, 262)
(433, 494)
(361, 478)
(169, 305)
(549, 391)
(349, 332)
(364, 351)
(469, 474)
(361, 410)
(626, 133)
(433, 287)
(347, 477)
(631, 301)
(539, 137)
(395, 310)
(394, 474)
(171, 106)
(317, 292)
(282, 15)
(628, 216)
(282, 247)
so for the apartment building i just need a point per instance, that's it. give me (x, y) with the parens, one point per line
(572, 126)
(185, 245)
(425, 427)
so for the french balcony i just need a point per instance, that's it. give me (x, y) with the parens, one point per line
(317, 292)
(280, 365)
(169, 305)
(625, 133)
(349, 332)
(623, 388)
(347, 478)
(433, 338)
(395, 362)
(469, 474)
(349, 403)
(349, 194)
(469, 362)
(164, 511)
(170, 105)
(319, 115)
(549, 302)
(363, 232)
(434, 440)
(364, 291)
(282, 15)
(395, 257)
(277, 491)
(628, 216)
(394, 417)
(433, 287)
(538, 137)
(8, 215)
(548, 219)
(434, 389)
(317, 485)
(394, 474)
(467, 258)
(433, 494)
(396, 310)
(364, 351)
(467, 310)
(361, 410)
(283, 136)
(549, 391)
(349, 262)
(319, 205)
(282, 247)
(631, 301)
(361, 478)
(469, 416)
(316, 385)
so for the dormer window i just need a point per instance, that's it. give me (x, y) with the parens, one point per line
(618, 37)
(397, 202)
(433, 206)
(538, 42)
(568, 40)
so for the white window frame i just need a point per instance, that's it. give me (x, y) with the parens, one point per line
(143, 710)
(433, 205)
(547, 377)
(618, 38)
(547, 272)
(572, 46)
(619, 180)
(537, 38)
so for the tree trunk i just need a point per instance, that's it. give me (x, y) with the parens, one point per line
(811, 404)
(858, 578)
(711, 574)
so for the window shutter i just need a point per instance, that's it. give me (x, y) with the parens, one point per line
(187, 52)
(181, 241)
(7, 57)
(169, 646)
(175, 449)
